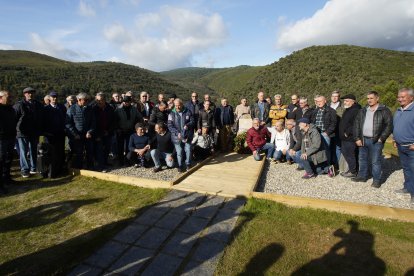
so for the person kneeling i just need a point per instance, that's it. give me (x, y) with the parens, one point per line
(313, 152)
(203, 144)
(138, 146)
(281, 140)
(256, 140)
(165, 148)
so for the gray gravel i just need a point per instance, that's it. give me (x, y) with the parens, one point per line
(165, 174)
(285, 179)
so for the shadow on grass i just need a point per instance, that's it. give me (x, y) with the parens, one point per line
(264, 259)
(353, 255)
(24, 185)
(43, 214)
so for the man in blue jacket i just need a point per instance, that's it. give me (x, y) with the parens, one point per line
(81, 125)
(404, 138)
(181, 125)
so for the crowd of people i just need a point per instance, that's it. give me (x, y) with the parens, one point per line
(335, 136)
(321, 138)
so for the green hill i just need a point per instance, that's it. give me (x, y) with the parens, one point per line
(19, 69)
(322, 69)
(220, 82)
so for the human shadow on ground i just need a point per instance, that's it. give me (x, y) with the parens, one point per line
(265, 258)
(410, 272)
(353, 255)
(43, 214)
(389, 166)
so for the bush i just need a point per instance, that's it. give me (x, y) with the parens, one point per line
(240, 145)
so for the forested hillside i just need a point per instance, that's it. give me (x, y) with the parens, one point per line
(19, 69)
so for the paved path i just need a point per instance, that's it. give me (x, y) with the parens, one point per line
(183, 234)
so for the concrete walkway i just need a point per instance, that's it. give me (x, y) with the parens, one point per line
(184, 234)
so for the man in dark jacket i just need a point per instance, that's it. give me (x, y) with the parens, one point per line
(224, 117)
(260, 109)
(181, 125)
(304, 110)
(295, 142)
(105, 126)
(373, 126)
(144, 106)
(346, 134)
(293, 106)
(206, 118)
(194, 106)
(164, 147)
(324, 119)
(29, 114)
(81, 126)
(159, 115)
(55, 114)
(7, 138)
(256, 139)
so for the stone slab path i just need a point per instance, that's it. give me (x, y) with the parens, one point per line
(184, 234)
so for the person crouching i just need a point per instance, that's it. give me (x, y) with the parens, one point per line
(138, 146)
(256, 140)
(203, 144)
(313, 152)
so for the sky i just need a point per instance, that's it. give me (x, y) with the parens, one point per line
(164, 35)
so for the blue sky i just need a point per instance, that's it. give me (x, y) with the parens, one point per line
(163, 35)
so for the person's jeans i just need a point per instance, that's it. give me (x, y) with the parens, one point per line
(311, 168)
(156, 155)
(268, 147)
(179, 148)
(122, 141)
(278, 154)
(327, 144)
(335, 149)
(407, 163)
(297, 159)
(370, 154)
(28, 146)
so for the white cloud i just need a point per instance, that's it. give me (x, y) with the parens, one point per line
(86, 9)
(167, 39)
(381, 23)
(53, 48)
(6, 47)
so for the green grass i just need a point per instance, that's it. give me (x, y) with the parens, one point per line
(273, 239)
(47, 227)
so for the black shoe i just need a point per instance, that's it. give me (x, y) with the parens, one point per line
(25, 174)
(299, 169)
(180, 170)
(376, 184)
(155, 170)
(348, 174)
(359, 179)
(402, 191)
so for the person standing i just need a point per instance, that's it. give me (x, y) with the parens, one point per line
(194, 106)
(404, 138)
(278, 111)
(55, 114)
(346, 134)
(303, 111)
(373, 125)
(29, 114)
(81, 125)
(260, 109)
(145, 106)
(207, 97)
(7, 139)
(293, 106)
(181, 125)
(335, 146)
(224, 117)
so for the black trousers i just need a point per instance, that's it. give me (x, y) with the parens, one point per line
(57, 154)
(6, 157)
(349, 151)
(122, 139)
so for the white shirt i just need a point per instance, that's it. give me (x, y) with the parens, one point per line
(280, 139)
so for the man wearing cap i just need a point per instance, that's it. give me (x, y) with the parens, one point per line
(346, 134)
(29, 114)
(7, 138)
(404, 138)
(256, 138)
(81, 125)
(313, 155)
(55, 114)
(126, 116)
(373, 125)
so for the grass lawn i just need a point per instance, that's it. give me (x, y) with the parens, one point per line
(274, 239)
(48, 226)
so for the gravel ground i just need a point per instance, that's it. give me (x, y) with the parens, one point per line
(285, 179)
(165, 174)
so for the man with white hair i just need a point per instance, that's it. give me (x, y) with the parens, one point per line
(145, 106)
(81, 125)
(346, 134)
(260, 109)
(256, 140)
(404, 138)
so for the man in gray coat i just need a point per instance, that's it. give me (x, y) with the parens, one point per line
(313, 154)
